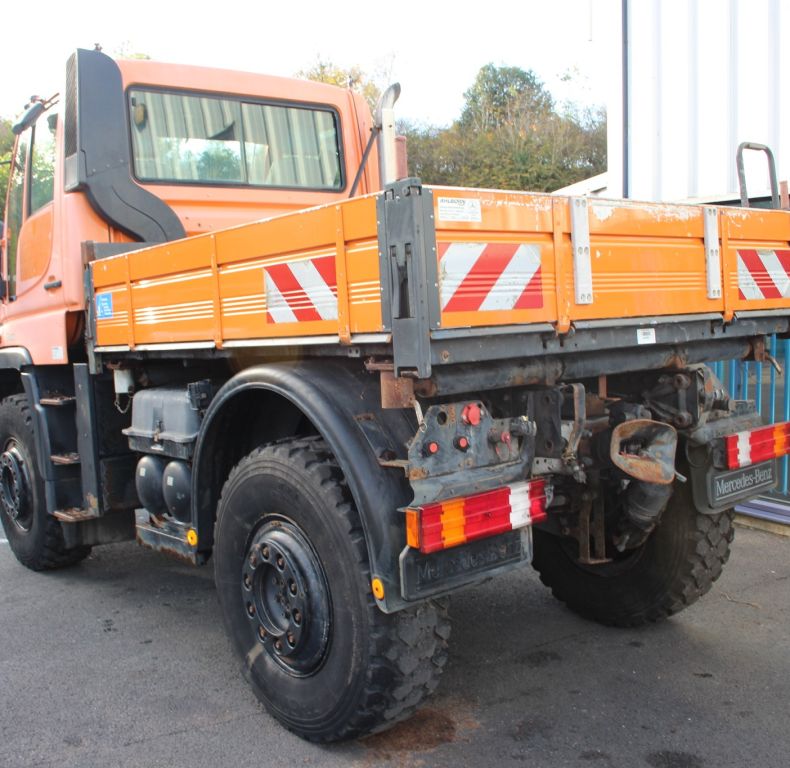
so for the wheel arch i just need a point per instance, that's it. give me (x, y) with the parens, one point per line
(340, 403)
(12, 360)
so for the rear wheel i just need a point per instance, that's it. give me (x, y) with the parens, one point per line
(294, 585)
(677, 564)
(35, 537)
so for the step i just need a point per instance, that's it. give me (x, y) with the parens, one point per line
(57, 400)
(73, 515)
(65, 458)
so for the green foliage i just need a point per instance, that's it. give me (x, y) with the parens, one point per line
(510, 135)
(126, 50)
(353, 78)
(504, 98)
(6, 147)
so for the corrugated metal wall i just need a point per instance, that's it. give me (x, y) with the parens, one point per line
(703, 76)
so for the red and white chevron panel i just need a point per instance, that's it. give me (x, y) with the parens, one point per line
(763, 274)
(477, 277)
(301, 291)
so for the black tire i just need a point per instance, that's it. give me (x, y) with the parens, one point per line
(35, 537)
(677, 564)
(289, 541)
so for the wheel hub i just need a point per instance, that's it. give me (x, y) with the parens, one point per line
(286, 598)
(14, 487)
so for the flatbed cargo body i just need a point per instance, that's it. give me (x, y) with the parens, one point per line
(496, 261)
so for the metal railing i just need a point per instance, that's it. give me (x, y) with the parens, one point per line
(770, 391)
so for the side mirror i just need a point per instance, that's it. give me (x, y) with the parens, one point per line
(34, 111)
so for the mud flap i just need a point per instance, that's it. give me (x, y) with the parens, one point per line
(715, 490)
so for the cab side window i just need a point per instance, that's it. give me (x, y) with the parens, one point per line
(16, 199)
(42, 163)
(34, 160)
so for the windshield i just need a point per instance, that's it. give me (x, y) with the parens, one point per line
(198, 139)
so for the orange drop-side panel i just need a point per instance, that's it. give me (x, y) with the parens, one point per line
(296, 275)
(503, 258)
(756, 258)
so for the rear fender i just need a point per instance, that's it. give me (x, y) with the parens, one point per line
(341, 403)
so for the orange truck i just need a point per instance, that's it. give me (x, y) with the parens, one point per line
(235, 330)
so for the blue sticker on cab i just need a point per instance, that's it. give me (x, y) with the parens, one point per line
(103, 306)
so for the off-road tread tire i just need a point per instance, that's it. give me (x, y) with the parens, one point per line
(678, 564)
(51, 552)
(407, 649)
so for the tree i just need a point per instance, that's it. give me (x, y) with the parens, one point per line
(126, 51)
(353, 78)
(504, 97)
(6, 147)
(510, 135)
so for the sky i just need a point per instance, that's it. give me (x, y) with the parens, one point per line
(434, 49)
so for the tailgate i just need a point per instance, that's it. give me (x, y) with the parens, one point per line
(508, 257)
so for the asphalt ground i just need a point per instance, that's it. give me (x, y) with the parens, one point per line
(122, 661)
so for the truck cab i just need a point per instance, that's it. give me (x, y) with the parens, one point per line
(165, 151)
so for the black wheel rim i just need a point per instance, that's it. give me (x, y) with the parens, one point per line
(15, 487)
(286, 598)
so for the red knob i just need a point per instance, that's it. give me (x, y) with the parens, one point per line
(471, 414)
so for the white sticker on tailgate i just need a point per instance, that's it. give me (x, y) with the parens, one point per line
(459, 209)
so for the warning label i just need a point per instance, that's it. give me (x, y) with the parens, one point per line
(459, 209)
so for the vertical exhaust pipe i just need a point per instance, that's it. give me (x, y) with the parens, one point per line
(385, 123)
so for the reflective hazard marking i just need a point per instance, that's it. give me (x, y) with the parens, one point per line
(489, 276)
(301, 291)
(763, 274)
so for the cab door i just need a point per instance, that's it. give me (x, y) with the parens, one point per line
(31, 299)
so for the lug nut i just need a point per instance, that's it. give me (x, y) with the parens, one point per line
(280, 562)
(247, 581)
(291, 639)
(292, 587)
(278, 645)
(262, 633)
(265, 553)
(250, 609)
(297, 616)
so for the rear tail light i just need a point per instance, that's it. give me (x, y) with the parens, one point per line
(756, 445)
(448, 523)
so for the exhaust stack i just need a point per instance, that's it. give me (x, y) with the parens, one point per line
(385, 123)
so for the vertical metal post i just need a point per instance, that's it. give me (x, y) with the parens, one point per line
(733, 381)
(772, 389)
(744, 371)
(758, 387)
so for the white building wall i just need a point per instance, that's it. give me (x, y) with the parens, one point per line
(703, 76)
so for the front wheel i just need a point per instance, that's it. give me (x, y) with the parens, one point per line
(294, 585)
(677, 564)
(35, 537)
